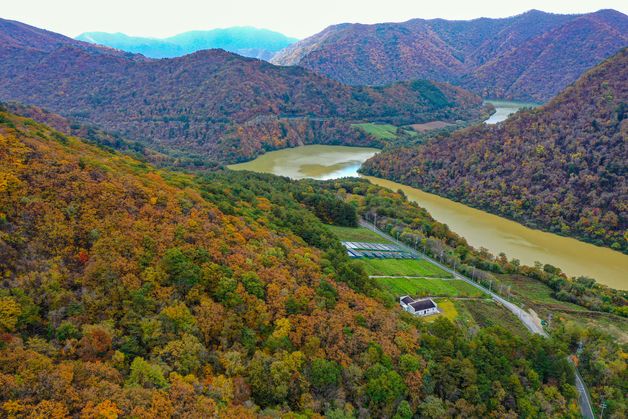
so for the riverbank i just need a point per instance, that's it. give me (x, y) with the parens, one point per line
(480, 229)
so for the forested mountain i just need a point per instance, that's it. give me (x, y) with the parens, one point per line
(211, 105)
(246, 41)
(560, 167)
(529, 57)
(138, 292)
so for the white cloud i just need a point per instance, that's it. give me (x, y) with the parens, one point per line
(296, 18)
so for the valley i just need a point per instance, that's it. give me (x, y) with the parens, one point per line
(422, 219)
(479, 228)
(210, 107)
(560, 167)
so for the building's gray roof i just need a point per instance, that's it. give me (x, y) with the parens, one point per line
(422, 305)
(407, 300)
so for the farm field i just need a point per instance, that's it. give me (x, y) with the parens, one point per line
(428, 126)
(488, 313)
(538, 296)
(419, 287)
(356, 234)
(382, 131)
(403, 267)
(535, 294)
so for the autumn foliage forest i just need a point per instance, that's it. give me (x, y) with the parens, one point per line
(211, 106)
(131, 289)
(134, 291)
(530, 57)
(560, 167)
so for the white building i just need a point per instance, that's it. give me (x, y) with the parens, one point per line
(423, 307)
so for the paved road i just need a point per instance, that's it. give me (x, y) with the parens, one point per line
(525, 317)
(583, 395)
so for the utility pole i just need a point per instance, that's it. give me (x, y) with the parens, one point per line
(490, 285)
(602, 407)
(549, 321)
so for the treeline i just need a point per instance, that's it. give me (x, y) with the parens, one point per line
(561, 167)
(132, 291)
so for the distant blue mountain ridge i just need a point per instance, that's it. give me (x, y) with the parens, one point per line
(243, 40)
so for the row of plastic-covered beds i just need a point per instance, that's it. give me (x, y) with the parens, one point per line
(379, 255)
(370, 246)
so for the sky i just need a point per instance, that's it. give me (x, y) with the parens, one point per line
(162, 18)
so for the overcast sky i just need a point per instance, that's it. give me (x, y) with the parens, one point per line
(160, 18)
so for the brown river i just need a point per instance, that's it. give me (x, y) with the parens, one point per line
(480, 228)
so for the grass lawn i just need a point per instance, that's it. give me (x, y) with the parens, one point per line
(418, 287)
(447, 310)
(403, 267)
(383, 131)
(356, 234)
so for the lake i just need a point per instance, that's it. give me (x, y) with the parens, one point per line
(480, 228)
(503, 109)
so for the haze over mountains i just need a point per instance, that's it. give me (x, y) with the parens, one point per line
(529, 57)
(560, 167)
(212, 105)
(246, 41)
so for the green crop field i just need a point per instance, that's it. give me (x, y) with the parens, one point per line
(420, 287)
(356, 234)
(382, 131)
(403, 267)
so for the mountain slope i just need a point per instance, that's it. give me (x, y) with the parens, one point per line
(560, 167)
(212, 104)
(246, 41)
(522, 57)
(135, 292)
(554, 59)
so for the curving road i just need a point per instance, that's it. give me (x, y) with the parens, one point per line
(524, 316)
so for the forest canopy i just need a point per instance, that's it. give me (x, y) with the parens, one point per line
(129, 290)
